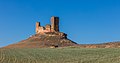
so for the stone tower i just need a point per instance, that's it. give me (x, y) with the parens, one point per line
(37, 26)
(54, 24)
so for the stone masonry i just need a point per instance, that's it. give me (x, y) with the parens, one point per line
(54, 27)
(50, 29)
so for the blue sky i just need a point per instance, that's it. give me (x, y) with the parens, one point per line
(85, 21)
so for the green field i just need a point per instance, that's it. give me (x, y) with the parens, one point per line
(60, 55)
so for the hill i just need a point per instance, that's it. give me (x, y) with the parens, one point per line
(50, 36)
(102, 45)
(45, 36)
(52, 40)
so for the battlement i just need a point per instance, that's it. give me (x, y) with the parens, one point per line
(53, 27)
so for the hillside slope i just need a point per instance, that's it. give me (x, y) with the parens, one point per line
(47, 40)
(102, 45)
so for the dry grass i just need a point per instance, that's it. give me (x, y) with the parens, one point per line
(60, 55)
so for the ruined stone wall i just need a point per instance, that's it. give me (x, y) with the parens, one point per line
(48, 28)
(41, 29)
(54, 27)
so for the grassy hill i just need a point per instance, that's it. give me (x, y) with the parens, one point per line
(59, 55)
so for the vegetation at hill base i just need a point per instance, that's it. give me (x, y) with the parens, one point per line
(60, 55)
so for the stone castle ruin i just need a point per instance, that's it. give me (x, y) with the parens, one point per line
(46, 36)
(54, 27)
(50, 29)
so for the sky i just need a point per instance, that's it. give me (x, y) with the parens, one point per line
(85, 21)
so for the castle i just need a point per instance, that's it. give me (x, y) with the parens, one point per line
(54, 27)
(46, 36)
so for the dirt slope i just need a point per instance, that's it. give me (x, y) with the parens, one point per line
(38, 41)
(103, 45)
